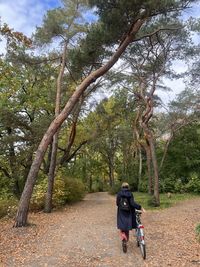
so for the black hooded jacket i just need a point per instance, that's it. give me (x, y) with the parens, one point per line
(126, 220)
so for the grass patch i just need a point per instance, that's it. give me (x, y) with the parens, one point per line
(165, 202)
(197, 230)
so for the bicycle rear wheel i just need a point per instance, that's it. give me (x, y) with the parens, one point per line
(143, 250)
(137, 238)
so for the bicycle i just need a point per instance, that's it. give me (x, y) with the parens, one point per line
(140, 234)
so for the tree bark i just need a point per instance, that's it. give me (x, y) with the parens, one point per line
(67, 158)
(111, 171)
(90, 183)
(51, 174)
(22, 213)
(150, 178)
(165, 151)
(140, 168)
(71, 138)
(46, 165)
(155, 166)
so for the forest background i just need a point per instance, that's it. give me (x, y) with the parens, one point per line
(119, 128)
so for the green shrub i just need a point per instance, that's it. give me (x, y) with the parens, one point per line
(38, 196)
(194, 183)
(116, 187)
(152, 202)
(8, 207)
(179, 187)
(167, 184)
(143, 185)
(65, 190)
(74, 190)
(95, 187)
(197, 230)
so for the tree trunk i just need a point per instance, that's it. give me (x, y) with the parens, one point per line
(155, 168)
(66, 156)
(46, 165)
(165, 151)
(111, 173)
(140, 168)
(22, 213)
(27, 167)
(51, 174)
(90, 183)
(150, 178)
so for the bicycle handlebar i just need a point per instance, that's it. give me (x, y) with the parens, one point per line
(138, 211)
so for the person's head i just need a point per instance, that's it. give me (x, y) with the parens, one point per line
(125, 185)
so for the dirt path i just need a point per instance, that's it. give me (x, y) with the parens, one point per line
(85, 235)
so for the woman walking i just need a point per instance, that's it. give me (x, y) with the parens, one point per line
(126, 218)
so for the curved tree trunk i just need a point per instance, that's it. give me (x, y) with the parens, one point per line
(66, 156)
(22, 213)
(51, 174)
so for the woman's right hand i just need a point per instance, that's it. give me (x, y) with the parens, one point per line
(143, 210)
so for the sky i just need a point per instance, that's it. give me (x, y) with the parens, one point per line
(25, 15)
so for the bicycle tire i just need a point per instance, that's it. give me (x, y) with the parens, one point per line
(143, 250)
(137, 239)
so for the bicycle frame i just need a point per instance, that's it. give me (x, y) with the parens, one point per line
(140, 234)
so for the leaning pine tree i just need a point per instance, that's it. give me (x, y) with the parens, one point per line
(120, 23)
(62, 24)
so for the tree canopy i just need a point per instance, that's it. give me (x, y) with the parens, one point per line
(47, 101)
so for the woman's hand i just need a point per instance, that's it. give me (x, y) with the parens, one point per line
(143, 210)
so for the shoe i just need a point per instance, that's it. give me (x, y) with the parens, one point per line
(124, 245)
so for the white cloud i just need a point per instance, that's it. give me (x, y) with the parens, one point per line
(176, 87)
(24, 15)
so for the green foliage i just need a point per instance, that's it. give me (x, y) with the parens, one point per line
(75, 190)
(66, 22)
(168, 184)
(182, 165)
(27, 97)
(115, 188)
(145, 200)
(25, 111)
(152, 202)
(143, 185)
(197, 231)
(38, 196)
(66, 190)
(97, 186)
(126, 12)
(8, 206)
(194, 183)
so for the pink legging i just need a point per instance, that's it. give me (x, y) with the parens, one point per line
(124, 235)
